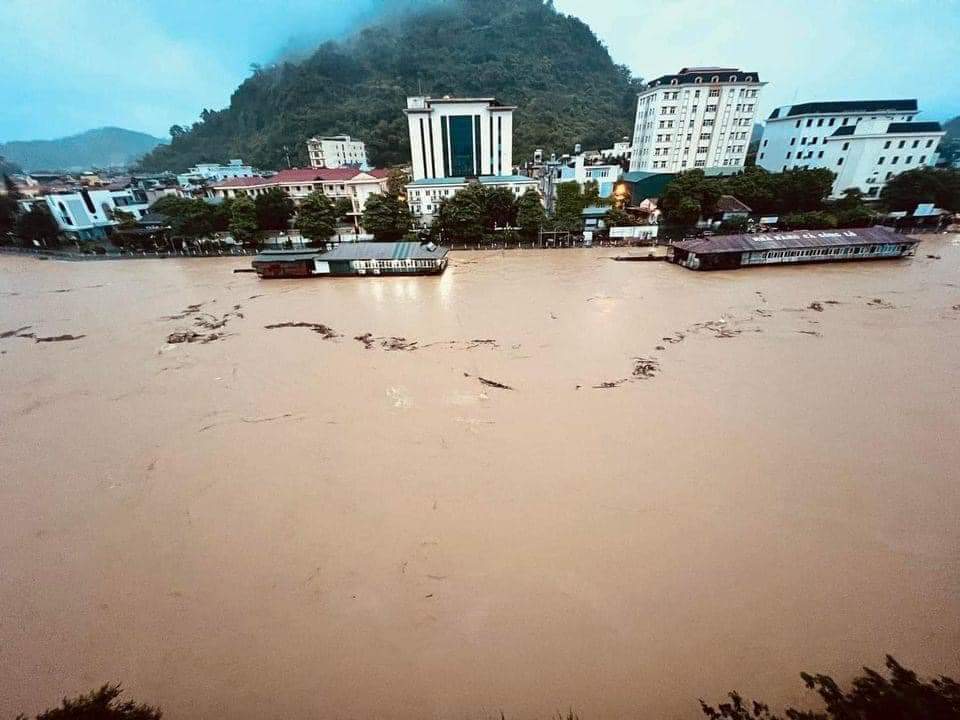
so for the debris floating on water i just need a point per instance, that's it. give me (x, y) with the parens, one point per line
(326, 332)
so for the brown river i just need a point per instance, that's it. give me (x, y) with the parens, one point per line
(695, 482)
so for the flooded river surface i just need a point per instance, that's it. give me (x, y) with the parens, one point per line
(291, 522)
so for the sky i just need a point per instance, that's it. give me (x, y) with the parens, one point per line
(72, 65)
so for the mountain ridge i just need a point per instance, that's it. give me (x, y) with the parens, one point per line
(102, 147)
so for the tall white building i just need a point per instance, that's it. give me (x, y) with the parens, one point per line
(335, 151)
(701, 117)
(865, 142)
(453, 141)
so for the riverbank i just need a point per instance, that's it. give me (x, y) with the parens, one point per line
(540, 480)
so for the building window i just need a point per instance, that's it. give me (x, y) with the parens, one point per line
(820, 122)
(820, 154)
(840, 161)
(809, 122)
(788, 156)
(830, 124)
(845, 121)
(916, 143)
(793, 141)
(909, 159)
(901, 143)
(798, 124)
(880, 160)
(929, 143)
(923, 159)
(761, 156)
(895, 158)
(886, 145)
(845, 146)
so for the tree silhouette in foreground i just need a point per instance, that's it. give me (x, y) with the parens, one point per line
(102, 704)
(871, 697)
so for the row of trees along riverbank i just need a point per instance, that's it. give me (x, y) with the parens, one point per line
(898, 695)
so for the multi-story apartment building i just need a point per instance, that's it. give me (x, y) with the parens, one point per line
(454, 141)
(701, 117)
(336, 151)
(211, 172)
(865, 142)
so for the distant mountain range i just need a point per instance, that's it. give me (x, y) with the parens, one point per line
(105, 147)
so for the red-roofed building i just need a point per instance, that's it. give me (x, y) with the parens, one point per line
(345, 182)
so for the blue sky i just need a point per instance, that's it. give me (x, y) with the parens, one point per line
(69, 65)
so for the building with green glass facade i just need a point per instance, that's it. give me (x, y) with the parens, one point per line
(454, 141)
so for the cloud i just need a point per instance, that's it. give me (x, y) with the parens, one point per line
(809, 50)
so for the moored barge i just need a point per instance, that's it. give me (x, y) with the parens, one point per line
(726, 252)
(361, 258)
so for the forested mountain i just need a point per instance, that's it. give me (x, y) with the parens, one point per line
(524, 52)
(101, 148)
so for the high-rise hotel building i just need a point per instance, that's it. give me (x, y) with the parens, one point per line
(454, 141)
(701, 117)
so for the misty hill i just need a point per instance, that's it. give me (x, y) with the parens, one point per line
(7, 167)
(100, 148)
(551, 66)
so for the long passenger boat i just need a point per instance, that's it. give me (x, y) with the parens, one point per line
(725, 252)
(361, 258)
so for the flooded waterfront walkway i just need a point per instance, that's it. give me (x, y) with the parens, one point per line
(691, 482)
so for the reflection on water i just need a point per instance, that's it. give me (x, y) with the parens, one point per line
(280, 522)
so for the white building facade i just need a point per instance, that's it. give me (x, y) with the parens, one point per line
(698, 118)
(212, 172)
(865, 142)
(455, 141)
(89, 214)
(336, 183)
(335, 151)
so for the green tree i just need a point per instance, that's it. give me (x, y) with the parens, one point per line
(688, 197)
(126, 219)
(342, 209)
(387, 217)
(317, 217)
(38, 225)
(102, 704)
(817, 220)
(756, 187)
(530, 214)
(568, 206)
(852, 198)
(191, 219)
(617, 217)
(500, 207)
(397, 181)
(461, 218)
(274, 210)
(803, 190)
(940, 186)
(243, 220)
(902, 696)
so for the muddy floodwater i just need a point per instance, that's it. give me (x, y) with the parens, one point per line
(542, 480)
